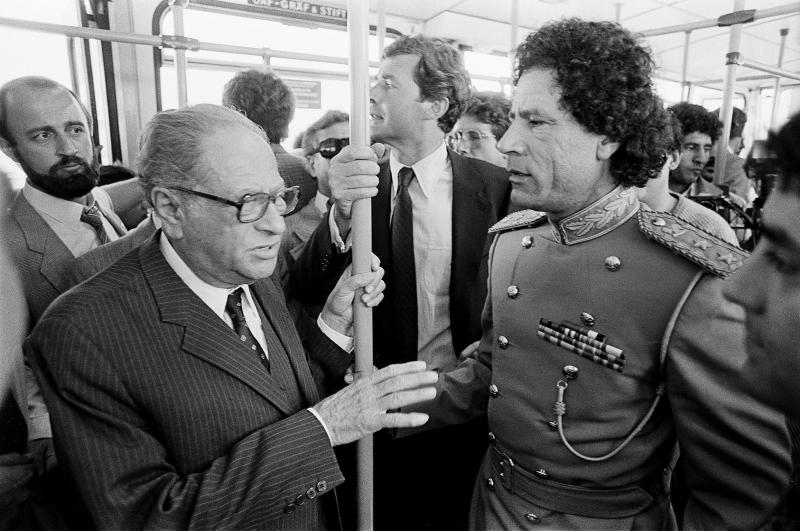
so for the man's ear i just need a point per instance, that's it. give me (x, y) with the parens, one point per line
(437, 108)
(606, 148)
(309, 165)
(674, 159)
(167, 205)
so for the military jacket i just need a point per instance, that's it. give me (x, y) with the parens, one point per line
(641, 289)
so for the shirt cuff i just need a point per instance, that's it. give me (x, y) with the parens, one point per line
(324, 426)
(344, 342)
(39, 427)
(336, 238)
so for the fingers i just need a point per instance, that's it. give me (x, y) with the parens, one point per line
(353, 152)
(379, 150)
(404, 420)
(402, 399)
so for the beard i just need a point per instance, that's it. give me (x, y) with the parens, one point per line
(64, 183)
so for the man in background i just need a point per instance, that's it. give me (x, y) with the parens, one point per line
(735, 176)
(483, 124)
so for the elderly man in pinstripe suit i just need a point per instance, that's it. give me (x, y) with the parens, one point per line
(180, 385)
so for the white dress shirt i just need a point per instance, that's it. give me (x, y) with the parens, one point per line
(431, 195)
(64, 217)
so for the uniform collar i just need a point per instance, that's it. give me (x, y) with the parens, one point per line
(597, 219)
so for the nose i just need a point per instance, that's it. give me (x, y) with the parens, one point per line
(66, 146)
(510, 143)
(271, 221)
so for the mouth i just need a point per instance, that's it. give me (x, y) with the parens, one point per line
(373, 116)
(267, 251)
(516, 176)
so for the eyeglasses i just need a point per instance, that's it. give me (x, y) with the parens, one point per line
(252, 207)
(330, 147)
(470, 135)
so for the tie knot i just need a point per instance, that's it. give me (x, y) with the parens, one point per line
(405, 176)
(92, 216)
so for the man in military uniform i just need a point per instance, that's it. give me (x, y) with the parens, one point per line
(606, 339)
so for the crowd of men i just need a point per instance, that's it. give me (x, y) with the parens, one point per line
(555, 328)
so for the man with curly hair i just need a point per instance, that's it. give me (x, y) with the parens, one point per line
(606, 338)
(484, 122)
(431, 210)
(268, 101)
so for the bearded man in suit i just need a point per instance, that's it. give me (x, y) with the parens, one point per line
(180, 385)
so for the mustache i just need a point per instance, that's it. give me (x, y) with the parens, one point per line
(67, 160)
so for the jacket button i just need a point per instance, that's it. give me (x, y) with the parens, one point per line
(493, 391)
(513, 292)
(613, 263)
(490, 484)
(502, 341)
(322, 486)
(527, 242)
(311, 493)
(290, 508)
(587, 319)
(300, 499)
(532, 518)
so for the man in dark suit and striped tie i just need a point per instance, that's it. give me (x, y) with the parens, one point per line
(179, 384)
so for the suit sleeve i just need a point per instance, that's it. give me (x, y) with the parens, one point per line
(735, 449)
(316, 271)
(124, 473)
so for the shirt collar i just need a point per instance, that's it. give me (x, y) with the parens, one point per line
(427, 170)
(62, 210)
(214, 297)
(599, 218)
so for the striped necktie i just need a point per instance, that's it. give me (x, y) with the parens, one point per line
(233, 306)
(92, 216)
(403, 272)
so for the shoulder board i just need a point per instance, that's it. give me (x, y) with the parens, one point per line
(713, 254)
(518, 220)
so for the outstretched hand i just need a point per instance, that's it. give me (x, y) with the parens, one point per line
(361, 408)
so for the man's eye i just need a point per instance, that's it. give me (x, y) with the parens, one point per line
(42, 135)
(780, 264)
(77, 130)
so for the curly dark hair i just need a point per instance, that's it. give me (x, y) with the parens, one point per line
(604, 74)
(697, 119)
(440, 73)
(264, 98)
(490, 108)
(784, 145)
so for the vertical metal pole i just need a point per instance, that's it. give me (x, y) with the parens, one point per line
(726, 111)
(776, 93)
(685, 93)
(358, 32)
(180, 54)
(514, 34)
(618, 14)
(381, 26)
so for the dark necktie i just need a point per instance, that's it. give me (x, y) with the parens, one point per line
(234, 309)
(404, 274)
(92, 216)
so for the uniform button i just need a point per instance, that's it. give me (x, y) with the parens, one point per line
(490, 484)
(289, 509)
(502, 341)
(570, 372)
(658, 222)
(493, 391)
(513, 292)
(311, 493)
(613, 263)
(587, 319)
(322, 486)
(300, 500)
(527, 242)
(532, 518)
(492, 438)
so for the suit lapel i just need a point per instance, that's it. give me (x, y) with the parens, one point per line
(205, 335)
(471, 211)
(43, 240)
(269, 296)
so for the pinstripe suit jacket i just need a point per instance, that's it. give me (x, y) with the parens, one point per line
(164, 419)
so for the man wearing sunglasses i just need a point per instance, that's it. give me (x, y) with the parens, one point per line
(179, 383)
(431, 210)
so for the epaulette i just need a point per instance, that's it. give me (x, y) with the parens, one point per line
(518, 220)
(713, 254)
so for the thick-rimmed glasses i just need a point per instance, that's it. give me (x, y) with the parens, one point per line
(330, 147)
(471, 136)
(252, 207)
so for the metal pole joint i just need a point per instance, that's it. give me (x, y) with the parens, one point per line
(181, 3)
(178, 42)
(737, 17)
(733, 58)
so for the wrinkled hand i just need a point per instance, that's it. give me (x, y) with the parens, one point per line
(338, 310)
(361, 408)
(353, 175)
(17, 472)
